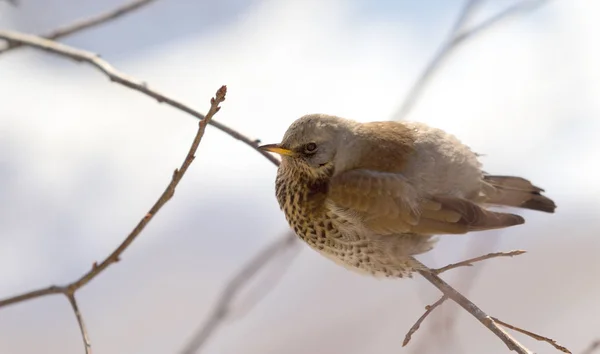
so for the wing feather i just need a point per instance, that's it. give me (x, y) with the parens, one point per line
(389, 204)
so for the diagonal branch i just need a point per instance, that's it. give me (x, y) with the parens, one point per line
(87, 23)
(222, 309)
(592, 347)
(120, 78)
(428, 310)
(70, 289)
(456, 37)
(475, 311)
(535, 336)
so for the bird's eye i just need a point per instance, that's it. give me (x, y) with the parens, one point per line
(310, 148)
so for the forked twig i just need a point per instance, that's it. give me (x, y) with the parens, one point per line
(475, 311)
(70, 289)
(535, 336)
(469, 262)
(428, 310)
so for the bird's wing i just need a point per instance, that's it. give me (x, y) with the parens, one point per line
(389, 204)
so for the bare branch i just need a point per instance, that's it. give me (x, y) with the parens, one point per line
(279, 265)
(428, 310)
(222, 309)
(84, 24)
(533, 335)
(70, 289)
(520, 7)
(475, 311)
(456, 37)
(447, 320)
(127, 81)
(162, 200)
(469, 262)
(84, 334)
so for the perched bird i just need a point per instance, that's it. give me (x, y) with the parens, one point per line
(370, 196)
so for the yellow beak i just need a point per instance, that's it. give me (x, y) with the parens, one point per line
(277, 149)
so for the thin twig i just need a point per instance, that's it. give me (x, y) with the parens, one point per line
(592, 347)
(261, 289)
(125, 80)
(475, 311)
(444, 325)
(428, 310)
(456, 37)
(70, 289)
(533, 335)
(469, 262)
(222, 309)
(87, 23)
(84, 334)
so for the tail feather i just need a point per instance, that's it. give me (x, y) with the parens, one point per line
(517, 192)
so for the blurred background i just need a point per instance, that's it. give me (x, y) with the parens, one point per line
(82, 160)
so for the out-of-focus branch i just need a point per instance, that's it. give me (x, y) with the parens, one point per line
(246, 272)
(115, 76)
(592, 348)
(70, 289)
(84, 24)
(457, 36)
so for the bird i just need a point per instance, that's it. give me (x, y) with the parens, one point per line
(372, 195)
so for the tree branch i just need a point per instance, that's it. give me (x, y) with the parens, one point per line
(456, 37)
(428, 310)
(84, 24)
(592, 347)
(469, 262)
(533, 335)
(222, 309)
(475, 311)
(84, 334)
(70, 289)
(115, 76)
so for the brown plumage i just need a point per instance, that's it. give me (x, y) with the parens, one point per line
(371, 195)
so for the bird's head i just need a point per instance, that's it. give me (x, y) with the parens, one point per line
(311, 143)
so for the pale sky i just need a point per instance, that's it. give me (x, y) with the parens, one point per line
(82, 159)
